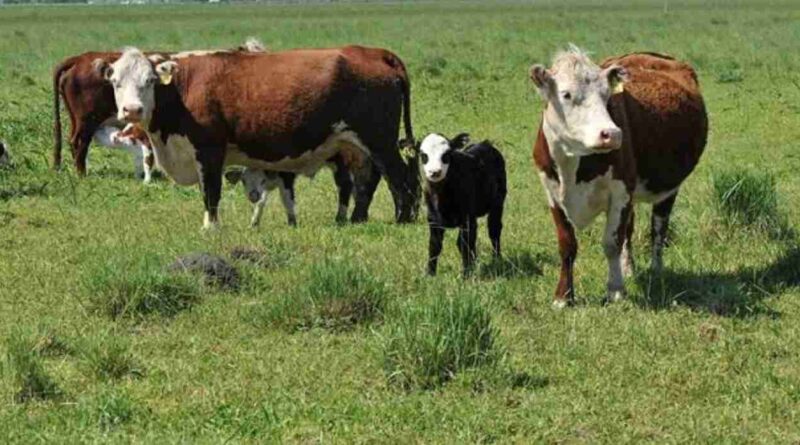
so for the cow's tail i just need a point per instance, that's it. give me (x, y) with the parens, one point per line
(57, 73)
(405, 87)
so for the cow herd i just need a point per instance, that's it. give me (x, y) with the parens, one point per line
(627, 130)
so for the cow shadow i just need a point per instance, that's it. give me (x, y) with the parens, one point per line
(521, 264)
(739, 294)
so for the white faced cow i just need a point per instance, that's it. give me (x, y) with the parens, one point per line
(288, 111)
(602, 146)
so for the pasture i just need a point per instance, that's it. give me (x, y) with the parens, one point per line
(705, 352)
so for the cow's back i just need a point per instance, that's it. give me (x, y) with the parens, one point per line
(664, 117)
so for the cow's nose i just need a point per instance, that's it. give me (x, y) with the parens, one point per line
(610, 138)
(132, 111)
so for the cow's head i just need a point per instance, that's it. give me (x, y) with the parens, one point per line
(435, 154)
(133, 77)
(577, 93)
(253, 180)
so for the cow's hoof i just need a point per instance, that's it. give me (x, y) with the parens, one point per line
(614, 296)
(561, 304)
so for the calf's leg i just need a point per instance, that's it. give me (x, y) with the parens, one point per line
(467, 238)
(659, 227)
(568, 248)
(434, 246)
(365, 185)
(495, 225)
(287, 196)
(344, 184)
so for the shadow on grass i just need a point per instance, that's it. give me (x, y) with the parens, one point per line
(515, 265)
(738, 294)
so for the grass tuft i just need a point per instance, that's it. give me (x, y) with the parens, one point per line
(337, 296)
(122, 292)
(748, 199)
(429, 343)
(113, 409)
(111, 358)
(31, 381)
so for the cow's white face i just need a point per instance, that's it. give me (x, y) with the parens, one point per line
(435, 157)
(133, 77)
(577, 93)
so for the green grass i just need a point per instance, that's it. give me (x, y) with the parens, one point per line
(705, 353)
(748, 198)
(430, 342)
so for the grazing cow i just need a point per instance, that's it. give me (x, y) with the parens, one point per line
(133, 139)
(89, 100)
(258, 183)
(5, 157)
(601, 147)
(461, 185)
(289, 111)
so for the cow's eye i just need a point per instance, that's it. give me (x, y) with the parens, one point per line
(446, 158)
(566, 95)
(423, 157)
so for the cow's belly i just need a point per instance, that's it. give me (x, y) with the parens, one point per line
(643, 194)
(309, 162)
(582, 201)
(177, 158)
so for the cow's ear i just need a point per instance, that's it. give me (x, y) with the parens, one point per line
(156, 58)
(234, 176)
(543, 80)
(460, 141)
(103, 68)
(617, 76)
(166, 70)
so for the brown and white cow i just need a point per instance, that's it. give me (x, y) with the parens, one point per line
(288, 111)
(89, 101)
(602, 147)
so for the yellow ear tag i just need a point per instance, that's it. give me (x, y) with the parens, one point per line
(166, 78)
(618, 87)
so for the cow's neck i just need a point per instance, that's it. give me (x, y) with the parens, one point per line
(566, 166)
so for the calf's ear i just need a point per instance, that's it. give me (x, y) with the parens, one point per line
(460, 141)
(234, 176)
(617, 76)
(543, 80)
(166, 70)
(103, 68)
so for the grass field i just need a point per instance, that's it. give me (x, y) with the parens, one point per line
(706, 352)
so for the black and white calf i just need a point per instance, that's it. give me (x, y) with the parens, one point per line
(258, 183)
(5, 158)
(462, 184)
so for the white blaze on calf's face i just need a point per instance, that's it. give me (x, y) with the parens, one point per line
(435, 157)
(577, 93)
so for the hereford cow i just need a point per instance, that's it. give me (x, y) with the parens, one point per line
(601, 147)
(289, 111)
(89, 100)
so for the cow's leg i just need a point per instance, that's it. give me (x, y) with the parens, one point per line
(344, 184)
(628, 265)
(287, 196)
(258, 208)
(568, 248)
(495, 225)
(659, 227)
(148, 162)
(434, 246)
(617, 219)
(81, 139)
(365, 185)
(210, 166)
(467, 238)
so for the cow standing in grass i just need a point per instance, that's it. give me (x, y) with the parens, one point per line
(288, 111)
(462, 183)
(630, 130)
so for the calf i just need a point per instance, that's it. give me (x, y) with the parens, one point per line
(5, 158)
(461, 185)
(134, 140)
(258, 183)
(601, 147)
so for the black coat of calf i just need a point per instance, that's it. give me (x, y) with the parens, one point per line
(461, 185)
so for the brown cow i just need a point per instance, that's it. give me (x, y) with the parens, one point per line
(89, 100)
(598, 151)
(288, 111)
